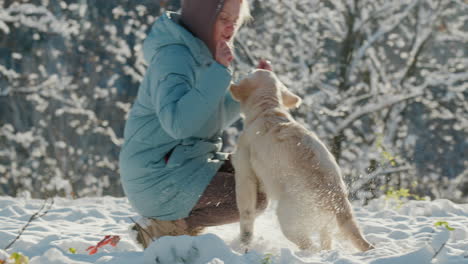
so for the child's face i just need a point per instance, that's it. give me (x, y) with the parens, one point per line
(227, 21)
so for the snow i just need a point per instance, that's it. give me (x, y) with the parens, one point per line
(401, 233)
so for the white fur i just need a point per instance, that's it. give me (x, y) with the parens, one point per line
(290, 164)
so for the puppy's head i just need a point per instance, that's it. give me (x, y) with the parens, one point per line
(263, 82)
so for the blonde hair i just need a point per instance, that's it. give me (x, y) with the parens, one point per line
(245, 16)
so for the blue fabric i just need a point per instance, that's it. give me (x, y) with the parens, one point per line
(183, 104)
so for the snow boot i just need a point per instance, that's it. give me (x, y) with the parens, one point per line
(153, 229)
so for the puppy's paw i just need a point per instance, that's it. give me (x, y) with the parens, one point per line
(246, 237)
(245, 249)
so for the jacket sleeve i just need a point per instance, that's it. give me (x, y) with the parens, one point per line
(183, 99)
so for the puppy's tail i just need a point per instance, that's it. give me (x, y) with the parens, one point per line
(349, 227)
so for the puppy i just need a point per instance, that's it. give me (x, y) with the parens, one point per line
(278, 156)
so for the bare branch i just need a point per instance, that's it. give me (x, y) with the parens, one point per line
(361, 182)
(246, 51)
(40, 213)
(389, 26)
(373, 108)
(438, 251)
(418, 45)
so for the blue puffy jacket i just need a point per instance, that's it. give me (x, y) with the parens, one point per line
(183, 105)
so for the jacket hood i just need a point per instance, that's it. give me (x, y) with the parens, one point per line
(167, 30)
(199, 17)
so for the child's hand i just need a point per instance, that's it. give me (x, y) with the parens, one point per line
(264, 65)
(224, 54)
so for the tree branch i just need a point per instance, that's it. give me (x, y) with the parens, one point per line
(438, 251)
(246, 51)
(361, 182)
(417, 50)
(373, 108)
(40, 213)
(388, 27)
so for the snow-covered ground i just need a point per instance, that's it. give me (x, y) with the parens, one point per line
(402, 235)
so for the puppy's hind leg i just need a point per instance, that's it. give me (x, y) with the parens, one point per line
(293, 224)
(325, 238)
(349, 227)
(246, 195)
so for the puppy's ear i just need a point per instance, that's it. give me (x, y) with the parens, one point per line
(237, 92)
(290, 100)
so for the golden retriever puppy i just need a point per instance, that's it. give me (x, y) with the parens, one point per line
(278, 156)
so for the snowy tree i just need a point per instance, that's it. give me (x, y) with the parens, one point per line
(383, 83)
(67, 78)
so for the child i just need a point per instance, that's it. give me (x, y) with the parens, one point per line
(172, 170)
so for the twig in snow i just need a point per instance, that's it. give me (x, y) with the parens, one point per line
(139, 228)
(438, 251)
(40, 213)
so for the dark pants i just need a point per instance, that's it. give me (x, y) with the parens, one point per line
(217, 205)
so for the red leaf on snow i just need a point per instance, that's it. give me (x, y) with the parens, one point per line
(112, 240)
